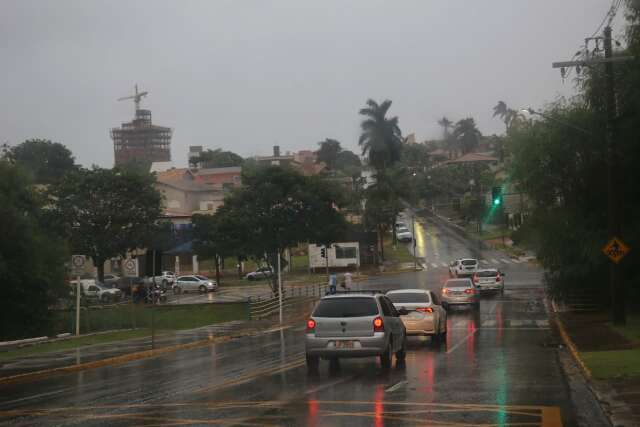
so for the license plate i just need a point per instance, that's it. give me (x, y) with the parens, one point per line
(344, 344)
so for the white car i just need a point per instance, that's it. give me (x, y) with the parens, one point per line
(426, 316)
(260, 273)
(489, 279)
(463, 267)
(166, 279)
(194, 283)
(404, 235)
(91, 289)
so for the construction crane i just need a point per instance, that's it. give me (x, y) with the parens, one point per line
(136, 97)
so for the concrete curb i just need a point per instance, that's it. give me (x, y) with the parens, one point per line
(568, 342)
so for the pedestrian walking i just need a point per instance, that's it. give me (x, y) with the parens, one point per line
(333, 283)
(346, 280)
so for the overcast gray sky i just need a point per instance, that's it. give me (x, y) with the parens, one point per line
(245, 75)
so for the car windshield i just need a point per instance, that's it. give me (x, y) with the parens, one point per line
(403, 230)
(487, 273)
(346, 307)
(469, 262)
(409, 297)
(202, 277)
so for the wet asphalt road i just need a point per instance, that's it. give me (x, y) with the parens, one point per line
(499, 366)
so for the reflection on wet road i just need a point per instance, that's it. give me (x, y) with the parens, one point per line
(498, 367)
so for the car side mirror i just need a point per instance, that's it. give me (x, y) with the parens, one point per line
(403, 312)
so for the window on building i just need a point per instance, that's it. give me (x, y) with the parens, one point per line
(348, 252)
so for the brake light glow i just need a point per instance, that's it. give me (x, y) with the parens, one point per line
(378, 325)
(498, 278)
(425, 309)
(445, 291)
(469, 291)
(311, 325)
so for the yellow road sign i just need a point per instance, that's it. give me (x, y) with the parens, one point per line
(615, 249)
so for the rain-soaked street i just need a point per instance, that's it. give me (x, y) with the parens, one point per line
(499, 366)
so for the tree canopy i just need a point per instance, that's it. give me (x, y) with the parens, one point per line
(32, 257)
(44, 160)
(381, 138)
(107, 212)
(217, 159)
(467, 135)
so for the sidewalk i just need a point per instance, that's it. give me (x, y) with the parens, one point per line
(611, 359)
(117, 352)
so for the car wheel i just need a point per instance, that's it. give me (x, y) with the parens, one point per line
(177, 290)
(385, 358)
(202, 289)
(312, 363)
(106, 298)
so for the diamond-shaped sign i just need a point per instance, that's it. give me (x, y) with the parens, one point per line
(615, 249)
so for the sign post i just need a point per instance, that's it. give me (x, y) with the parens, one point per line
(77, 268)
(130, 270)
(615, 250)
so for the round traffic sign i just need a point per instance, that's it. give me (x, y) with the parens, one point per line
(130, 265)
(78, 261)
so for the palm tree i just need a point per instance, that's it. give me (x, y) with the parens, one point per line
(467, 134)
(508, 115)
(448, 142)
(381, 138)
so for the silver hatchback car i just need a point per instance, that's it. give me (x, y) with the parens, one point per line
(355, 325)
(460, 291)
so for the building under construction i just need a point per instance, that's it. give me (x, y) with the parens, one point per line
(140, 140)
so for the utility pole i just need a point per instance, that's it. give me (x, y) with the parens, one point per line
(615, 201)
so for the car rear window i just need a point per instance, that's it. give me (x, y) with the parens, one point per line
(346, 307)
(469, 262)
(408, 297)
(488, 273)
(457, 283)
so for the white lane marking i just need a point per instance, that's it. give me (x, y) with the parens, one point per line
(434, 265)
(395, 386)
(506, 261)
(516, 260)
(484, 261)
(331, 384)
(460, 324)
(423, 265)
(542, 323)
(489, 323)
(462, 341)
(495, 261)
(444, 264)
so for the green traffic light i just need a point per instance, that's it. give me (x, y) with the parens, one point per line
(496, 202)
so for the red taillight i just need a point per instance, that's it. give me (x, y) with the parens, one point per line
(444, 291)
(469, 291)
(425, 309)
(311, 325)
(378, 325)
(498, 278)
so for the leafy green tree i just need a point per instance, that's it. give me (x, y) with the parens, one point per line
(276, 208)
(381, 138)
(328, 152)
(467, 134)
(46, 161)
(107, 212)
(217, 159)
(32, 258)
(416, 157)
(213, 238)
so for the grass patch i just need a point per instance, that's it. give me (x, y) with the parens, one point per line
(73, 343)
(398, 255)
(631, 330)
(612, 364)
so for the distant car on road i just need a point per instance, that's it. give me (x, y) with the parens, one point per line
(93, 290)
(400, 225)
(260, 273)
(463, 267)
(426, 316)
(111, 280)
(460, 292)
(489, 279)
(193, 283)
(166, 279)
(404, 235)
(355, 325)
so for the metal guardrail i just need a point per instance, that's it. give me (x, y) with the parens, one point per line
(293, 296)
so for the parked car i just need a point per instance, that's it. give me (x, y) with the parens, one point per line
(426, 316)
(404, 235)
(355, 325)
(111, 280)
(93, 290)
(463, 267)
(400, 225)
(458, 292)
(489, 279)
(166, 279)
(260, 273)
(194, 283)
